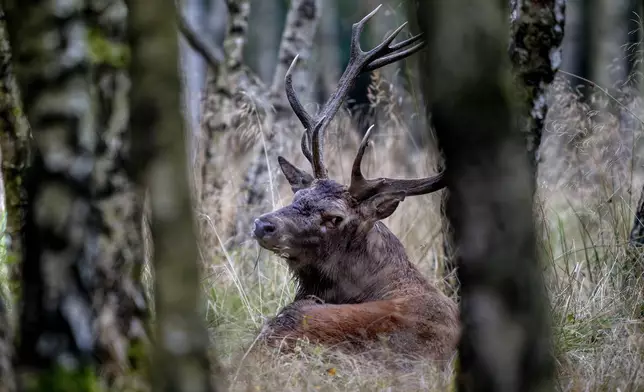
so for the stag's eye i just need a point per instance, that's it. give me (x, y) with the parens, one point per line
(332, 220)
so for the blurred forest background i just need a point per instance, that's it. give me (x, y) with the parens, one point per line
(90, 99)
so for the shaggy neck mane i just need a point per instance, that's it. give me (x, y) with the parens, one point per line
(366, 270)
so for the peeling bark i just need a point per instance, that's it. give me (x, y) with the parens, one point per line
(505, 343)
(536, 52)
(233, 109)
(120, 301)
(180, 355)
(297, 39)
(62, 232)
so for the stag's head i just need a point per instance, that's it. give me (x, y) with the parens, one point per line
(325, 216)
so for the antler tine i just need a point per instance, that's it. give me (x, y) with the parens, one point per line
(356, 169)
(359, 62)
(362, 188)
(301, 113)
(304, 144)
(393, 57)
(318, 150)
(296, 105)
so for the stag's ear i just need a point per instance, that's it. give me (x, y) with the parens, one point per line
(299, 179)
(381, 205)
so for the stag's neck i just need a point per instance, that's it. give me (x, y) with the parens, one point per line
(371, 268)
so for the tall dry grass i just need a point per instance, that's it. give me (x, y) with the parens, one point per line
(590, 178)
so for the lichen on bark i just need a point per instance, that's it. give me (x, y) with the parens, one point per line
(537, 31)
(120, 301)
(62, 230)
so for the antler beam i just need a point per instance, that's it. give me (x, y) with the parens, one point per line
(359, 62)
(362, 188)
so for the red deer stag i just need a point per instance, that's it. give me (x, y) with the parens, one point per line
(356, 284)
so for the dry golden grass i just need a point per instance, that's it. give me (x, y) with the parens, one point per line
(589, 183)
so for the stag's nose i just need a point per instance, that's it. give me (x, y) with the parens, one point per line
(263, 228)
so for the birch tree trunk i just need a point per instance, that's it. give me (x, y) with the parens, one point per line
(180, 357)
(62, 232)
(14, 133)
(505, 343)
(297, 39)
(14, 136)
(208, 18)
(233, 109)
(537, 31)
(120, 301)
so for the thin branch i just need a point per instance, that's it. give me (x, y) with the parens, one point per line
(211, 53)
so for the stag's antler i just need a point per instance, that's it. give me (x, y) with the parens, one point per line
(361, 188)
(359, 61)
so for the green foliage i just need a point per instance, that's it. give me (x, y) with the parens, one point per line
(103, 51)
(60, 379)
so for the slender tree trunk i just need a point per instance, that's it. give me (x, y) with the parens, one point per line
(180, 358)
(576, 43)
(120, 301)
(267, 20)
(297, 39)
(63, 231)
(14, 135)
(232, 110)
(208, 18)
(608, 37)
(535, 49)
(327, 40)
(489, 205)
(7, 380)
(13, 143)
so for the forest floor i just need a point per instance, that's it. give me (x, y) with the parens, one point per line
(589, 184)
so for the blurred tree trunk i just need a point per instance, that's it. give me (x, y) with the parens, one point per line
(608, 37)
(63, 231)
(180, 358)
(576, 43)
(14, 143)
(208, 18)
(327, 40)
(490, 203)
(297, 39)
(120, 300)
(7, 380)
(535, 49)
(267, 21)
